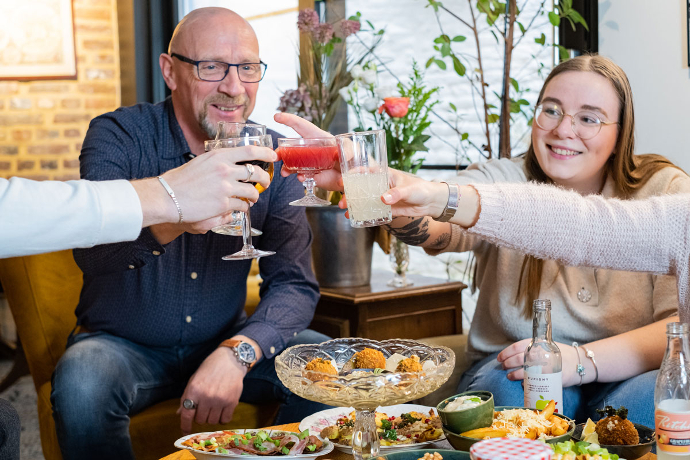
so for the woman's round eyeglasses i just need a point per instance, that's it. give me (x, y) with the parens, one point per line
(586, 125)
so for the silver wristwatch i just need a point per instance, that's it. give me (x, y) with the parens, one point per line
(452, 205)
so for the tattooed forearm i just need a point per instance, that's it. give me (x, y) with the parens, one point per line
(416, 232)
(441, 242)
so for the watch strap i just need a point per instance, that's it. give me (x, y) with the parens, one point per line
(233, 344)
(451, 205)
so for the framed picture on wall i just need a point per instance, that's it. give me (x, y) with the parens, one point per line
(37, 40)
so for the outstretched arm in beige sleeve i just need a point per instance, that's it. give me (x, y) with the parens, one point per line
(645, 235)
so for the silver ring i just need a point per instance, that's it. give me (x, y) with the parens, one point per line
(250, 171)
(189, 404)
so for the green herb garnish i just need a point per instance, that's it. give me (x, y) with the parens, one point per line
(285, 450)
(407, 419)
(386, 424)
(609, 411)
(391, 435)
(311, 447)
(303, 434)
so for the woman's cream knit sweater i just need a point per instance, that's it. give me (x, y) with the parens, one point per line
(649, 235)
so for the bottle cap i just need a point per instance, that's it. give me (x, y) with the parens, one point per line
(510, 449)
(677, 328)
(541, 304)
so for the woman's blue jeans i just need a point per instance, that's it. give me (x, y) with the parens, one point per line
(102, 380)
(580, 402)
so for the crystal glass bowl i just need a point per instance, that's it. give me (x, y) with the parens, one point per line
(364, 391)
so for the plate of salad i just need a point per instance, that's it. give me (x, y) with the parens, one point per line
(403, 426)
(253, 443)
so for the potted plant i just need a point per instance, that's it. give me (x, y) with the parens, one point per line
(341, 254)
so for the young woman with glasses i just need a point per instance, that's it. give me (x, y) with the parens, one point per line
(582, 141)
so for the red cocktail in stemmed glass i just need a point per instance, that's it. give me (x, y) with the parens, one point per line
(308, 157)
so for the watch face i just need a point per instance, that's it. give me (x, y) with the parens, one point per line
(246, 353)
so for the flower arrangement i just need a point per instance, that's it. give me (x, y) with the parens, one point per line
(402, 111)
(325, 69)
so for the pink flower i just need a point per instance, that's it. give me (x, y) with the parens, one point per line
(307, 20)
(348, 27)
(395, 107)
(323, 33)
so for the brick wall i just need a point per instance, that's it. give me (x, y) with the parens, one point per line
(43, 123)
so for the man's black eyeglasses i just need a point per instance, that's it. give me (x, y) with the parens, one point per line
(217, 70)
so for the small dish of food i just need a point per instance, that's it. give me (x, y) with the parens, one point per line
(518, 422)
(426, 454)
(467, 411)
(571, 450)
(253, 444)
(617, 434)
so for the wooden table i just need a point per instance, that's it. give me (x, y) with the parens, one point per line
(430, 307)
(334, 455)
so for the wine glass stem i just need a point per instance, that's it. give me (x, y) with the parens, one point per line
(247, 231)
(309, 184)
(365, 439)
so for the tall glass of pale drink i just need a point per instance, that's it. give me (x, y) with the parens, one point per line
(308, 157)
(364, 165)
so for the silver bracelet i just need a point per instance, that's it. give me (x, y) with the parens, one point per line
(580, 367)
(590, 355)
(172, 195)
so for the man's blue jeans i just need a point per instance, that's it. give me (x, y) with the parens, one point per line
(637, 393)
(102, 380)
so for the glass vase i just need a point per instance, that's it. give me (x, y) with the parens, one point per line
(400, 259)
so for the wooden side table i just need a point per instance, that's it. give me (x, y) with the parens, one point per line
(430, 307)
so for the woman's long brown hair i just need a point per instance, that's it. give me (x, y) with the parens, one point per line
(628, 171)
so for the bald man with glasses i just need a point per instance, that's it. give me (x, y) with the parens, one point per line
(163, 316)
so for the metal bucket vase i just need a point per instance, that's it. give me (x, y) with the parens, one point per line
(341, 254)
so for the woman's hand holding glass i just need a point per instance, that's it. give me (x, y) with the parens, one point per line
(409, 195)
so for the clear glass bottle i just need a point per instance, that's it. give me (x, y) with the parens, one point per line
(672, 396)
(543, 367)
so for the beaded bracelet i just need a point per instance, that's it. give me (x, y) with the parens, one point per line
(580, 368)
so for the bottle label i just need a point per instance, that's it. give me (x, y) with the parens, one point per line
(672, 431)
(542, 388)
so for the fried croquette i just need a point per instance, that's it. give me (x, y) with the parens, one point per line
(616, 429)
(369, 359)
(321, 365)
(410, 364)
